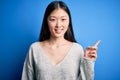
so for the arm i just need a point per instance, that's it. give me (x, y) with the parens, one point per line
(86, 69)
(28, 68)
(87, 62)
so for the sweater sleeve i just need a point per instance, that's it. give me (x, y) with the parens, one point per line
(28, 68)
(86, 69)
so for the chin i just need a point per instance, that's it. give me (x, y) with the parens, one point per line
(58, 35)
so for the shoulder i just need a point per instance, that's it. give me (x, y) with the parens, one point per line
(34, 49)
(77, 49)
(34, 45)
(78, 46)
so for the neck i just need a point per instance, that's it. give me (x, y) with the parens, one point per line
(57, 41)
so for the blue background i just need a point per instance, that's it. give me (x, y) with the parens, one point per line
(20, 23)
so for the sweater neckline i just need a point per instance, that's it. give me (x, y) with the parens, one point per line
(61, 62)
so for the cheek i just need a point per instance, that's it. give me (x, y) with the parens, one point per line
(66, 25)
(51, 25)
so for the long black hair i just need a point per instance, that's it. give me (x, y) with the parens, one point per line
(45, 32)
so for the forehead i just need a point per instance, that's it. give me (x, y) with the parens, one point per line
(59, 12)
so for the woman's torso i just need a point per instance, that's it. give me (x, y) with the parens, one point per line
(66, 69)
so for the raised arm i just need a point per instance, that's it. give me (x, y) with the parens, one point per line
(87, 62)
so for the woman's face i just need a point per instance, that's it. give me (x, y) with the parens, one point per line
(58, 22)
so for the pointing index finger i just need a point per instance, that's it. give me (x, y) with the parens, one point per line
(97, 43)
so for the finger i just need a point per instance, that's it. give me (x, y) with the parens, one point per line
(97, 43)
(92, 48)
(92, 52)
(92, 55)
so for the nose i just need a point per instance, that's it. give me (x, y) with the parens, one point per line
(58, 24)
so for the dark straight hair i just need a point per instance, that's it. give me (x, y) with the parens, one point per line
(45, 32)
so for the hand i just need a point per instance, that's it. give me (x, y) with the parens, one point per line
(91, 52)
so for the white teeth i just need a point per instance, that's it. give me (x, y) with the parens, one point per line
(58, 30)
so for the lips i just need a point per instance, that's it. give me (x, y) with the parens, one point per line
(58, 31)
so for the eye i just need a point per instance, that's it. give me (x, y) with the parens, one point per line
(63, 19)
(52, 19)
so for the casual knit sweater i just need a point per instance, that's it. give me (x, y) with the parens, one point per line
(73, 67)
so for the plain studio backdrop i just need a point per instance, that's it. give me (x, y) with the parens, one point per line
(20, 23)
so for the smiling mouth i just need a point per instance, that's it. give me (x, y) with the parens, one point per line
(58, 31)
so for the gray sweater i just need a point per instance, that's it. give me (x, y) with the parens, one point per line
(73, 67)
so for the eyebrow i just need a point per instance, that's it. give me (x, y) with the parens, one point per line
(55, 17)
